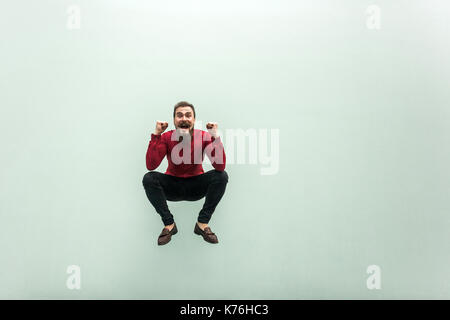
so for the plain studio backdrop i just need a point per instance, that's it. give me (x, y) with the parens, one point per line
(357, 89)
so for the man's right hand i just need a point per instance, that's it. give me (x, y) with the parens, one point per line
(161, 126)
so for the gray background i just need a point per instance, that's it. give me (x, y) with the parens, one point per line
(364, 148)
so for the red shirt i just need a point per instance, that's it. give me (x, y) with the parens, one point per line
(184, 166)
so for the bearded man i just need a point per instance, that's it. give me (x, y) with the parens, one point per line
(184, 178)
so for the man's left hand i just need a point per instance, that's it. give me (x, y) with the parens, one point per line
(212, 129)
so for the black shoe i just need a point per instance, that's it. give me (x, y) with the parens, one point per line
(166, 235)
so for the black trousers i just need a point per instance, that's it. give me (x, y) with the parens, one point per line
(160, 187)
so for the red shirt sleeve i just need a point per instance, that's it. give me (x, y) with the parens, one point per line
(156, 151)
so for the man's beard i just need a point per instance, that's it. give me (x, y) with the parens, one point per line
(184, 129)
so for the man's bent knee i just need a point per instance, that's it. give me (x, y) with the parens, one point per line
(220, 176)
(150, 179)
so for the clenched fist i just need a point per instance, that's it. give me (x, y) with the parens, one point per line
(212, 129)
(161, 126)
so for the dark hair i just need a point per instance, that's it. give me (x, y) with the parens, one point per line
(183, 104)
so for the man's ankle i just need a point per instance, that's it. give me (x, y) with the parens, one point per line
(202, 225)
(170, 226)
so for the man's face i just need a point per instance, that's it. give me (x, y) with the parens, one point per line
(184, 120)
